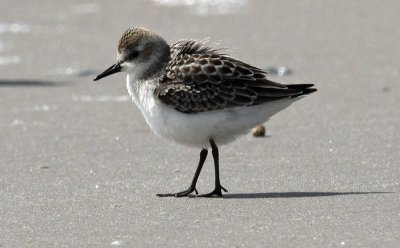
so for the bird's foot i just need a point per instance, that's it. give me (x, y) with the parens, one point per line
(216, 192)
(180, 194)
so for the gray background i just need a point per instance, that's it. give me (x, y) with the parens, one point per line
(79, 166)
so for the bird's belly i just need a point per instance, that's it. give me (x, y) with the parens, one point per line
(187, 129)
(196, 129)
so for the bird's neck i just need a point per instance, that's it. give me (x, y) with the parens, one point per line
(156, 65)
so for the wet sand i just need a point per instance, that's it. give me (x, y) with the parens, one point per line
(79, 166)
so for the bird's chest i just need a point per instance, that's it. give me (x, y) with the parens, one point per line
(142, 94)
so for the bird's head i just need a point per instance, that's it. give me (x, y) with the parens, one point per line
(141, 53)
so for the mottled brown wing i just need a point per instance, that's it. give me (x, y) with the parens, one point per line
(204, 82)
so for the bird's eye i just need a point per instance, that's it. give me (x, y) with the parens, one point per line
(133, 55)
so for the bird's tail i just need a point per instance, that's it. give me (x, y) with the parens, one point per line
(303, 89)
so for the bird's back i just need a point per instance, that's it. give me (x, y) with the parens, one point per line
(199, 78)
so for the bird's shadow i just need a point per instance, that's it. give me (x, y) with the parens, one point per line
(294, 194)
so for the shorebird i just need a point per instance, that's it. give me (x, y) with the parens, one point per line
(196, 95)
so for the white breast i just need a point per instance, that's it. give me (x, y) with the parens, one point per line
(196, 129)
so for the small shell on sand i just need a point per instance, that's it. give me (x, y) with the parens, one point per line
(259, 131)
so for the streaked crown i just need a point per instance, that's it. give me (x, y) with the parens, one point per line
(131, 37)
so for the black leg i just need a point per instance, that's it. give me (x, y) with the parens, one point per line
(217, 191)
(203, 156)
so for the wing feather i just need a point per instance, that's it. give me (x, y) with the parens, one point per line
(199, 78)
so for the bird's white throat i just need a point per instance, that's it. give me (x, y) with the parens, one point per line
(142, 93)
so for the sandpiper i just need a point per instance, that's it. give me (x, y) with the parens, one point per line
(195, 95)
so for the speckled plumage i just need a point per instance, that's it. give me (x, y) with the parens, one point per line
(199, 78)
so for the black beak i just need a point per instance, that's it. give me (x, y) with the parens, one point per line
(113, 69)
